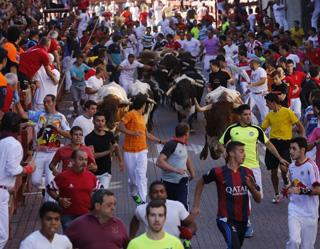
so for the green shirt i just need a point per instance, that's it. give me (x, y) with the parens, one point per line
(249, 135)
(143, 242)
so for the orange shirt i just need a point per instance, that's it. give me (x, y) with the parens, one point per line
(134, 121)
(3, 80)
(13, 54)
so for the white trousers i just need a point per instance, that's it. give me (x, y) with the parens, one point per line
(314, 18)
(259, 101)
(125, 82)
(42, 161)
(67, 63)
(296, 107)
(105, 180)
(4, 217)
(206, 61)
(136, 164)
(302, 232)
(258, 178)
(281, 20)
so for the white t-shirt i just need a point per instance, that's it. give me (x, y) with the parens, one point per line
(84, 20)
(139, 31)
(304, 175)
(37, 241)
(86, 124)
(278, 10)
(11, 154)
(192, 46)
(295, 58)
(128, 69)
(95, 84)
(314, 40)
(176, 213)
(46, 84)
(256, 75)
(231, 52)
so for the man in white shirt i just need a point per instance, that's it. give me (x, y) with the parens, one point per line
(128, 69)
(315, 14)
(94, 83)
(284, 51)
(84, 19)
(11, 154)
(231, 51)
(45, 85)
(85, 121)
(191, 45)
(47, 237)
(258, 86)
(177, 215)
(303, 194)
(135, 10)
(251, 19)
(279, 12)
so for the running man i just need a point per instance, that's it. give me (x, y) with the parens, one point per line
(155, 237)
(233, 184)
(250, 135)
(281, 120)
(135, 148)
(176, 166)
(303, 195)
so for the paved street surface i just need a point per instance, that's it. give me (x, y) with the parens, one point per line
(269, 220)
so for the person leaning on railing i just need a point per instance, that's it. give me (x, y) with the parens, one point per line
(11, 155)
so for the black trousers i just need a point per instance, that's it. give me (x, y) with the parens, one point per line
(233, 232)
(178, 191)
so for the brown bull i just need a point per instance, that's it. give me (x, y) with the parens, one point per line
(219, 116)
(113, 110)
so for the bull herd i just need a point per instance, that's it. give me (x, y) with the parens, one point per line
(174, 80)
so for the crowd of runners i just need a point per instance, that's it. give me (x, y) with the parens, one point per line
(275, 68)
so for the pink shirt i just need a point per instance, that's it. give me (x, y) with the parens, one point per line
(315, 135)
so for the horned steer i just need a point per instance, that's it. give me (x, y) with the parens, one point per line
(113, 102)
(137, 88)
(219, 114)
(183, 93)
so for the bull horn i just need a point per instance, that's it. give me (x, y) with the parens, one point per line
(170, 90)
(195, 83)
(125, 102)
(151, 101)
(202, 109)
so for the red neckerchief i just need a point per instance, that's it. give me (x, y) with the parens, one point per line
(179, 140)
(316, 80)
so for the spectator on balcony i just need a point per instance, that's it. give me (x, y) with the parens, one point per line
(13, 39)
(3, 80)
(32, 60)
(12, 95)
(45, 85)
(11, 154)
